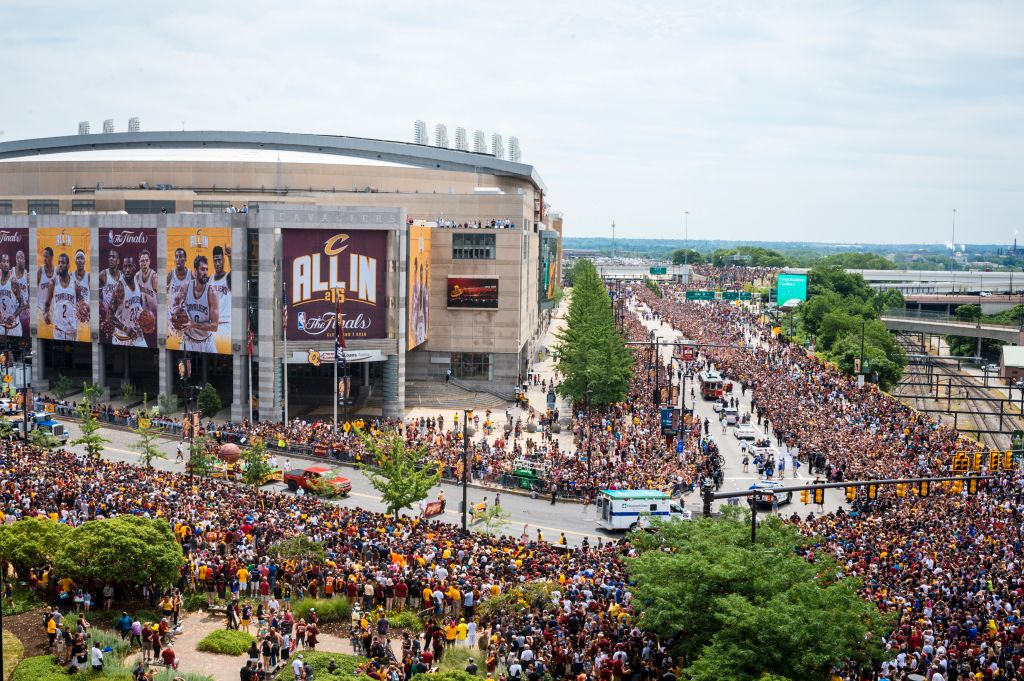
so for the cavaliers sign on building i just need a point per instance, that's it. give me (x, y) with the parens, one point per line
(322, 266)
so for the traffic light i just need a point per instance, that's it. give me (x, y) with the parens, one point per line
(972, 485)
(924, 488)
(805, 496)
(819, 496)
(1008, 460)
(958, 487)
(901, 489)
(851, 494)
(872, 492)
(977, 461)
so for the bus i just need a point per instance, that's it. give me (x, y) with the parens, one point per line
(710, 384)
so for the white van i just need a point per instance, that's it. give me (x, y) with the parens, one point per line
(630, 509)
(732, 415)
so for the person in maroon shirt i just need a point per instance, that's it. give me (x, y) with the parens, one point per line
(168, 657)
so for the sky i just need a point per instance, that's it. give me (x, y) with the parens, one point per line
(840, 121)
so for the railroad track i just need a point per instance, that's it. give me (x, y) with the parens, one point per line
(966, 389)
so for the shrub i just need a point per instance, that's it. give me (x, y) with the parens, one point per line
(209, 401)
(226, 642)
(108, 639)
(194, 602)
(346, 671)
(13, 652)
(327, 609)
(406, 620)
(454, 661)
(61, 386)
(453, 675)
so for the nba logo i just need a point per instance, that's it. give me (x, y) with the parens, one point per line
(300, 321)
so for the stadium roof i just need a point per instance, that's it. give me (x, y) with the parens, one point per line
(402, 153)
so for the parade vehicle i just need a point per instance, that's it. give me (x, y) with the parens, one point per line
(710, 384)
(8, 407)
(630, 509)
(305, 478)
(732, 415)
(745, 431)
(44, 421)
(765, 495)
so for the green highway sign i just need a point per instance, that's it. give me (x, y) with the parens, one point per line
(700, 295)
(730, 295)
(659, 270)
(745, 295)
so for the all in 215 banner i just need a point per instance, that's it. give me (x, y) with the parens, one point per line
(318, 263)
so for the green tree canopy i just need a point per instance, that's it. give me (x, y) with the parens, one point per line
(209, 401)
(750, 256)
(31, 542)
(857, 261)
(739, 611)
(147, 445)
(91, 439)
(689, 255)
(592, 355)
(121, 550)
(395, 472)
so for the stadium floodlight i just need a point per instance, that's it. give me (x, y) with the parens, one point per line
(133, 124)
(514, 154)
(108, 126)
(83, 127)
(419, 135)
(441, 135)
(479, 142)
(461, 141)
(497, 146)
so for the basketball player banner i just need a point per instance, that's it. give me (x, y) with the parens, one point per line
(199, 289)
(323, 266)
(14, 282)
(62, 294)
(128, 287)
(418, 303)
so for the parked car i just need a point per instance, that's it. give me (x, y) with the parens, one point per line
(745, 431)
(992, 368)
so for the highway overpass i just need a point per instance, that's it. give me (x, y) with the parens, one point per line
(942, 325)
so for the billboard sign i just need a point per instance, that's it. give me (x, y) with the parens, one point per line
(325, 266)
(128, 287)
(418, 303)
(668, 425)
(62, 283)
(199, 289)
(14, 282)
(792, 287)
(473, 293)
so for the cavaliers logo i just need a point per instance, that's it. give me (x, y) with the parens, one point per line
(313, 357)
(336, 244)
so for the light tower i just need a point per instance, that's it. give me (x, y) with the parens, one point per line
(441, 135)
(497, 146)
(479, 142)
(461, 141)
(108, 126)
(513, 149)
(419, 133)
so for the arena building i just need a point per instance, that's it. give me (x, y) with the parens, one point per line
(161, 261)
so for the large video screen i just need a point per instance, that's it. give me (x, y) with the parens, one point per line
(419, 286)
(325, 266)
(480, 293)
(62, 283)
(14, 282)
(199, 289)
(128, 287)
(792, 287)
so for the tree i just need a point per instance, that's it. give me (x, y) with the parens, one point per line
(256, 466)
(43, 439)
(592, 355)
(882, 354)
(148, 434)
(61, 386)
(298, 548)
(200, 460)
(494, 520)
(857, 261)
(397, 475)
(6, 429)
(31, 542)
(739, 611)
(122, 550)
(690, 255)
(91, 439)
(209, 401)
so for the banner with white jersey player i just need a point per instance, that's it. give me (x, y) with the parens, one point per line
(14, 283)
(62, 291)
(199, 289)
(128, 287)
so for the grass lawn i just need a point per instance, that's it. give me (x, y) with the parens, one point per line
(13, 652)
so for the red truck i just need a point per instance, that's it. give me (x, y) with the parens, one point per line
(302, 477)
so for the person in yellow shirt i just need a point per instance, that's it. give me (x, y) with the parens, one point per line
(460, 631)
(450, 632)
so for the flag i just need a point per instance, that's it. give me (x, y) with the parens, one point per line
(339, 351)
(250, 336)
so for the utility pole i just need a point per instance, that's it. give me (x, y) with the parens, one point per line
(466, 413)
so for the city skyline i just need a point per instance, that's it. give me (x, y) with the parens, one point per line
(851, 122)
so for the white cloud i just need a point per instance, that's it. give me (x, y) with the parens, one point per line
(853, 121)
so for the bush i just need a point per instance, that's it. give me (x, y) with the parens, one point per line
(24, 600)
(454, 661)
(453, 675)
(226, 642)
(194, 602)
(209, 401)
(108, 639)
(347, 666)
(327, 609)
(13, 652)
(406, 620)
(39, 668)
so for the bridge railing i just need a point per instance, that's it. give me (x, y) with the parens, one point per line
(927, 315)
